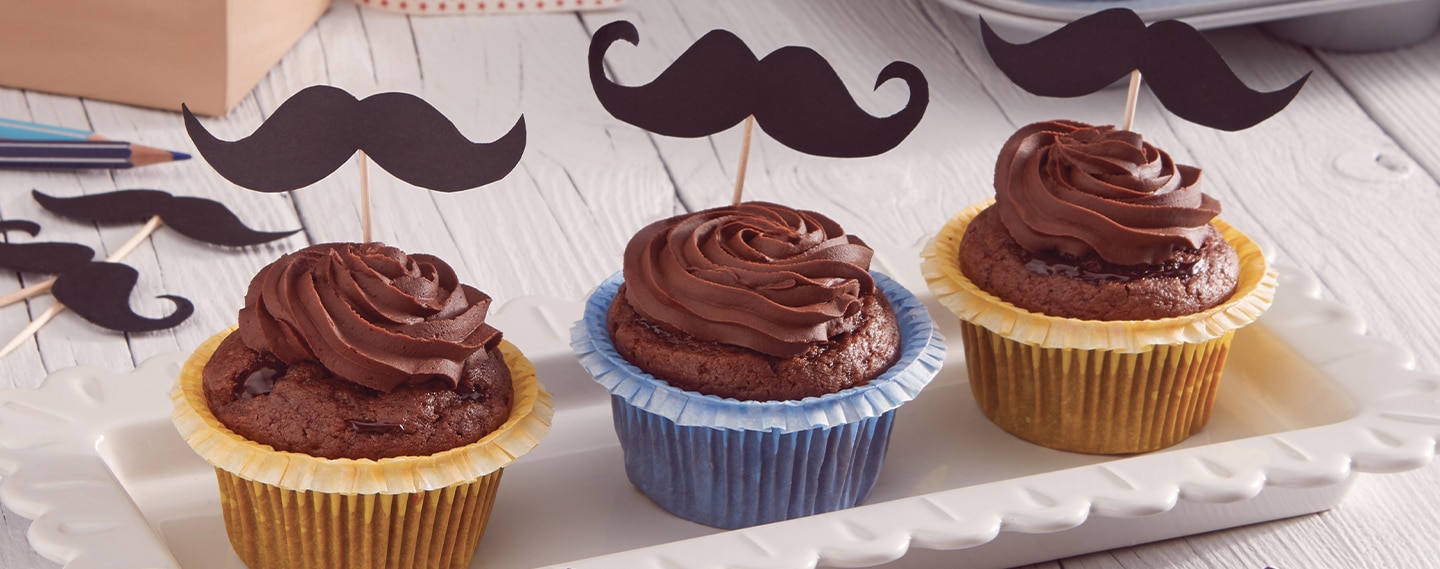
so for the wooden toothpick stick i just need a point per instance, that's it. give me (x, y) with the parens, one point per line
(27, 292)
(1130, 98)
(31, 328)
(364, 198)
(744, 160)
(55, 309)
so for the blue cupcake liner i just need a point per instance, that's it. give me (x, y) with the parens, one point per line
(736, 478)
(729, 463)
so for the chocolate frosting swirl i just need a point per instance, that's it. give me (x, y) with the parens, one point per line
(758, 275)
(1073, 188)
(369, 314)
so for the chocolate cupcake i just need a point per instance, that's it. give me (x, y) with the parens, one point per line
(321, 366)
(360, 414)
(1099, 294)
(754, 340)
(753, 302)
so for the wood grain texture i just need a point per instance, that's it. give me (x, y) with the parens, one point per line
(1341, 185)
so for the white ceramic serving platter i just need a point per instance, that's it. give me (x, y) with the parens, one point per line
(1355, 25)
(1306, 402)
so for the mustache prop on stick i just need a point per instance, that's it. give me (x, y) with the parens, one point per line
(1183, 69)
(98, 291)
(315, 131)
(794, 94)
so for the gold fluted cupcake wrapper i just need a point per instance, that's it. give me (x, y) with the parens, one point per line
(1094, 401)
(530, 415)
(1104, 387)
(1254, 292)
(273, 528)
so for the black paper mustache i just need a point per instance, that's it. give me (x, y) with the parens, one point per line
(1184, 71)
(98, 291)
(197, 218)
(794, 94)
(44, 258)
(314, 132)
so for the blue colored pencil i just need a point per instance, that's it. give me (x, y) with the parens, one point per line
(103, 153)
(80, 154)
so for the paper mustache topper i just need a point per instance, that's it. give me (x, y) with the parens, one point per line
(197, 218)
(315, 131)
(98, 291)
(795, 95)
(1183, 69)
(52, 258)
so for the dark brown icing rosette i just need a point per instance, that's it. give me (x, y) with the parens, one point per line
(369, 314)
(1073, 188)
(758, 275)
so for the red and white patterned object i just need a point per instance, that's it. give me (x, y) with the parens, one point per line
(461, 7)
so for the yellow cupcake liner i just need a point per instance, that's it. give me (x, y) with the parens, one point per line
(1254, 292)
(1104, 387)
(273, 528)
(290, 510)
(1095, 401)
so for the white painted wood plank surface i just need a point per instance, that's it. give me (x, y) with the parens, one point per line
(1343, 185)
